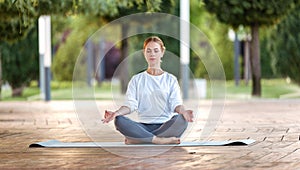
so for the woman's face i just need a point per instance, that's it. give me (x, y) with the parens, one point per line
(153, 54)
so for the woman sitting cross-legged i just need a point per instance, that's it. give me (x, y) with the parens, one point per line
(155, 95)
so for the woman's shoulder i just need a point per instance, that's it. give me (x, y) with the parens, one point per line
(170, 76)
(138, 75)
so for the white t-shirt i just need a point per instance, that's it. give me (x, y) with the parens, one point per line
(153, 97)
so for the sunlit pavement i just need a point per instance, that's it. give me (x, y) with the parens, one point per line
(274, 124)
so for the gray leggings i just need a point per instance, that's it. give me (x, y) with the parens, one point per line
(145, 132)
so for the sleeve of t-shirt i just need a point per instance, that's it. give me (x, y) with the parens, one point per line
(175, 95)
(131, 95)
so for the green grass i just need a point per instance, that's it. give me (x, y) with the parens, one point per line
(271, 88)
(63, 91)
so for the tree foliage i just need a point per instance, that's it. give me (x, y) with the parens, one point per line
(266, 60)
(17, 18)
(216, 32)
(69, 48)
(20, 62)
(249, 12)
(284, 46)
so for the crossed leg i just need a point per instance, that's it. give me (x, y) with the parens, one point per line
(166, 133)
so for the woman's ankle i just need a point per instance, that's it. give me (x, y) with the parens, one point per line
(163, 141)
(132, 141)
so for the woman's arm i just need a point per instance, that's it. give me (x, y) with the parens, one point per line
(129, 106)
(110, 115)
(123, 110)
(187, 114)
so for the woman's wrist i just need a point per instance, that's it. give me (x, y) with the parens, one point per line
(118, 113)
(180, 109)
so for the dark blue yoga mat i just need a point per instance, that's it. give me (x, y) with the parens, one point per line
(59, 144)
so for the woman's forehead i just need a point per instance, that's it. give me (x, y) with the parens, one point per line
(152, 45)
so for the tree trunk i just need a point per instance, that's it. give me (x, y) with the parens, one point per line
(124, 75)
(255, 61)
(17, 92)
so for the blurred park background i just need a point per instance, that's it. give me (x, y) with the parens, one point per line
(257, 42)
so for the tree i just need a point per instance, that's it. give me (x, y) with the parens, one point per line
(20, 62)
(17, 19)
(284, 45)
(253, 14)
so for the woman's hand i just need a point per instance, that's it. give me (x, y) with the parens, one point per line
(188, 115)
(109, 116)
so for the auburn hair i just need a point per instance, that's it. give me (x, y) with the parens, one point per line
(154, 39)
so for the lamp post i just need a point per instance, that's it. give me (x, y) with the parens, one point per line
(185, 45)
(45, 56)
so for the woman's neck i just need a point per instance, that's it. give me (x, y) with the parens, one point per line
(155, 71)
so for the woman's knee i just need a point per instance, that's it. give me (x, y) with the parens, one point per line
(119, 121)
(181, 120)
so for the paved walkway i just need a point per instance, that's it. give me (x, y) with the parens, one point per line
(274, 124)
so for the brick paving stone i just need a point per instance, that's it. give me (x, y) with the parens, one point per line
(294, 156)
(274, 124)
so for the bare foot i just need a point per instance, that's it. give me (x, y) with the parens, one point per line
(163, 141)
(131, 141)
